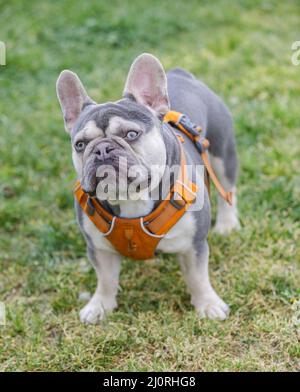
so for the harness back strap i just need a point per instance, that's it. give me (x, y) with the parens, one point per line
(193, 132)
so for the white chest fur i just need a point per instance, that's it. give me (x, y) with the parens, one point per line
(180, 237)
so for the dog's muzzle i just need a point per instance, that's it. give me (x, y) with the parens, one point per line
(103, 158)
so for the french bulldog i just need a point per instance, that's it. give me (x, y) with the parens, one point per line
(132, 128)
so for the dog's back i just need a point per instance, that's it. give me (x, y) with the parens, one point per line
(192, 97)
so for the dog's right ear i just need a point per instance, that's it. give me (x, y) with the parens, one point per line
(147, 83)
(72, 97)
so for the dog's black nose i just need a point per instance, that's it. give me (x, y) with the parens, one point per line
(103, 150)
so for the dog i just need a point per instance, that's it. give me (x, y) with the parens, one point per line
(132, 128)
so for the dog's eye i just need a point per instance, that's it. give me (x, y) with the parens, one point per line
(80, 146)
(131, 135)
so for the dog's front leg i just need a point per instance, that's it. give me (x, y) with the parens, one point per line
(194, 265)
(107, 267)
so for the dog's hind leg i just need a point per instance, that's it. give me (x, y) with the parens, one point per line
(227, 215)
(223, 159)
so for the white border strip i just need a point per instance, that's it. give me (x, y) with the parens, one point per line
(148, 232)
(111, 227)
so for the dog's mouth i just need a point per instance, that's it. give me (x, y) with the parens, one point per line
(117, 178)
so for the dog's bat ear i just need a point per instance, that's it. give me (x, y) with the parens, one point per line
(147, 83)
(72, 97)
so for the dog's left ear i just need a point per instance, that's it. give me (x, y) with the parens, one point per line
(147, 83)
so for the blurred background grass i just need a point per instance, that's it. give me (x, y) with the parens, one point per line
(241, 49)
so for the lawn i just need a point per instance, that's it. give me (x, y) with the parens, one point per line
(241, 49)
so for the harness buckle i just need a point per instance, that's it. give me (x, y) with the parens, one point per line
(186, 123)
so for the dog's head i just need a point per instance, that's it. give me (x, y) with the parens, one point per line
(117, 142)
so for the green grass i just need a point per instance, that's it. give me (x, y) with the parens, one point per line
(242, 50)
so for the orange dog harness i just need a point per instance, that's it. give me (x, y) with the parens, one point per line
(138, 238)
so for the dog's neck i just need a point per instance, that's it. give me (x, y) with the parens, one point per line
(137, 208)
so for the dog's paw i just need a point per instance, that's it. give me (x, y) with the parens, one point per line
(225, 227)
(212, 307)
(92, 313)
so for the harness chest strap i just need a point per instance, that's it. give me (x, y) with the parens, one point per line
(138, 237)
